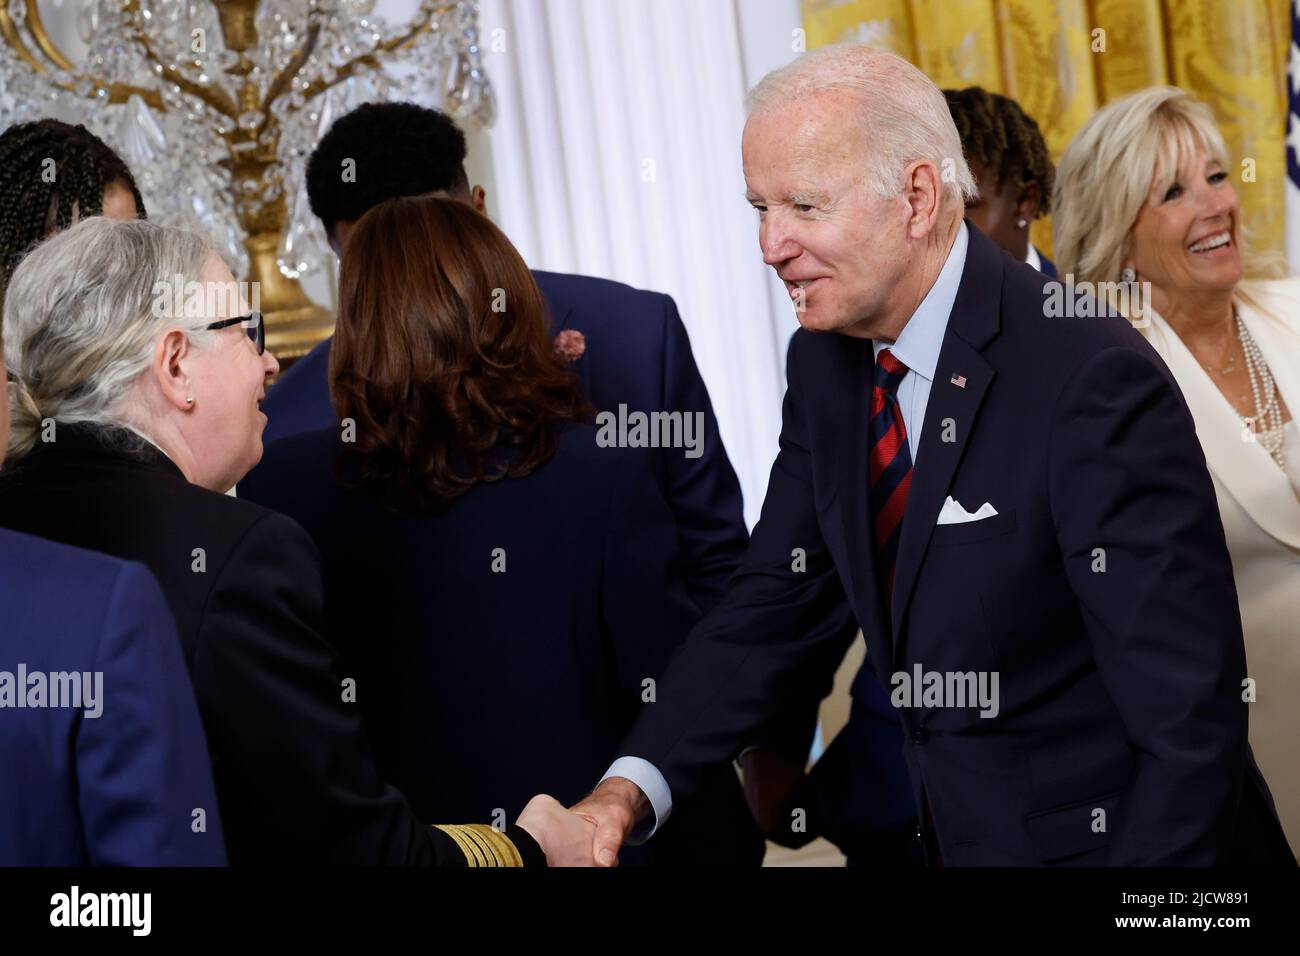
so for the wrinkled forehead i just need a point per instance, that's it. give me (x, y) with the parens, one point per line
(820, 136)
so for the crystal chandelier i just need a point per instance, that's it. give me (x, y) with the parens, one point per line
(215, 104)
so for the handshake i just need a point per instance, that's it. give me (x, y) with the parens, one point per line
(592, 831)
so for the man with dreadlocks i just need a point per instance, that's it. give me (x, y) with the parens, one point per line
(1007, 155)
(52, 175)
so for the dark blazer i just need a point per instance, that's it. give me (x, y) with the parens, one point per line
(503, 647)
(858, 794)
(294, 775)
(1121, 734)
(117, 780)
(637, 354)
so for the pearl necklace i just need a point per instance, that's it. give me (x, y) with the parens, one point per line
(1268, 411)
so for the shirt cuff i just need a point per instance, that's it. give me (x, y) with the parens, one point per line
(652, 783)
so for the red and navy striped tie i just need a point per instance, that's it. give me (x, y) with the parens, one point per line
(891, 477)
(890, 464)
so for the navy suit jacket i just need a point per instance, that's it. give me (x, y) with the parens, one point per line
(119, 789)
(1121, 731)
(502, 648)
(858, 794)
(637, 354)
(294, 775)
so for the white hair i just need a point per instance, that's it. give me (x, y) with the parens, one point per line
(904, 115)
(81, 320)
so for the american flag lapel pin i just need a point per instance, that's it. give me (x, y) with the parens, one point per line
(958, 380)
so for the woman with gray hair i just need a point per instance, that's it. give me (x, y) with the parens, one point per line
(131, 417)
(1144, 195)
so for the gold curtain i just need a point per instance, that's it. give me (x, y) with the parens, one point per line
(1061, 59)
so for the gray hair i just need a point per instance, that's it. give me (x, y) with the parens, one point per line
(904, 115)
(82, 318)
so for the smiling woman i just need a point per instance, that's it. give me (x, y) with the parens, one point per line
(1143, 193)
(91, 352)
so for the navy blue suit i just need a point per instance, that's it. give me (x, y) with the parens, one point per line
(858, 794)
(1121, 733)
(120, 788)
(637, 354)
(502, 648)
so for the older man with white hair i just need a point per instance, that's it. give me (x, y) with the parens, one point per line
(1014, 507)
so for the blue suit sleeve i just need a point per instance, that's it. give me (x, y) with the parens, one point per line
(703, 492)
(756, 653)
(142, 763)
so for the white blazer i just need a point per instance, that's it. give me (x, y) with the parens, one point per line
(1260, 507)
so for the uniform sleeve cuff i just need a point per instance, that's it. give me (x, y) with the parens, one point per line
(530, 851)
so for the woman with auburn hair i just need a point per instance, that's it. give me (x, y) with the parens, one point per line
(1144, 197)
(503, 586)
(469, 319)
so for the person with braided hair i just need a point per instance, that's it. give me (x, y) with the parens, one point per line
(53, 174)
(1007, 155)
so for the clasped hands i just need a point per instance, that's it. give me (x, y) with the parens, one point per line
(592, 831)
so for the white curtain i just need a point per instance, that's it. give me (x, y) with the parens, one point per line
(616, 153)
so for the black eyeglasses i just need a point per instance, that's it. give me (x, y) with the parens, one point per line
(255, 328)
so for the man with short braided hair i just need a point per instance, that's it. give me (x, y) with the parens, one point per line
(1007, 155)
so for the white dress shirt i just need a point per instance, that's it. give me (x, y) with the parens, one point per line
(918, 348)
(1032, 258)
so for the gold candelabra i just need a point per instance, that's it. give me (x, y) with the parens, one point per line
(247, 113)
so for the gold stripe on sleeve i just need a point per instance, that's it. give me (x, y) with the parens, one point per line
(483, 845)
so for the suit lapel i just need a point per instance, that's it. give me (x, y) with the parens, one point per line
(951, 412)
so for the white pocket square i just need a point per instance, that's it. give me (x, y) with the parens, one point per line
(953, 513)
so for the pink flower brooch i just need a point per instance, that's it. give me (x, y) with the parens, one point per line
(570, 344)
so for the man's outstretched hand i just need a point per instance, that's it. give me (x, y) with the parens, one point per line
(564, 836)
(614, 807)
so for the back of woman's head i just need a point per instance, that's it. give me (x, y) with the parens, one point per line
(46, 169)
(82, 315)
(442, 357)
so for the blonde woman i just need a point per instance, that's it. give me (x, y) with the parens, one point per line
(1144, 193)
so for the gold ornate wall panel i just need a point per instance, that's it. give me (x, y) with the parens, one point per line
(1061, 59)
